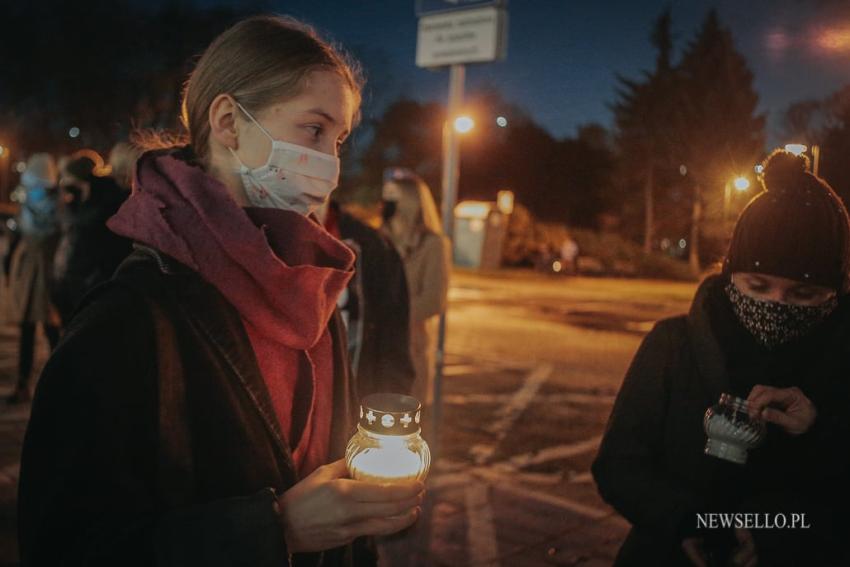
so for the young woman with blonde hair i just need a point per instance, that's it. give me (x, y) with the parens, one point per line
(198, 407)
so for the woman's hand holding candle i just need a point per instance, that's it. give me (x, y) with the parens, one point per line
(788, 408)
(327, 509)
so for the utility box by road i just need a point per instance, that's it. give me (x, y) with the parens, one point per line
(480, 229)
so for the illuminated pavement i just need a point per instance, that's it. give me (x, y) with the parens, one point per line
(532, 369)
(533, 366)
(13, 423)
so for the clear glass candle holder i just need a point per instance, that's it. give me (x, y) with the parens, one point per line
(388, 445)
(731, 431)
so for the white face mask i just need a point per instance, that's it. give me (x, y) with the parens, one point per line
(294, 178)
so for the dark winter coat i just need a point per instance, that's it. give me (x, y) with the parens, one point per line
(153, 440)
(88, 252)
(651, 466)
(383, 361)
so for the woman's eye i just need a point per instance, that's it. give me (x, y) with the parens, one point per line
(804, 295)
(758, 288)
(317, 131)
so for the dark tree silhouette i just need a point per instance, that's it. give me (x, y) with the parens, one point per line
(101, 66)
(644, 131)
(720, 135)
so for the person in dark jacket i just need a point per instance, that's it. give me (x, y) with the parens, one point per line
(197, 410)
(88, 251)
(773, 328)
(376, 307)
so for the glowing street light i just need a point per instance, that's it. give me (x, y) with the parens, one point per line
(464, 124)
(74, 132)
(796, 149)
(2, 151)
(741, 184)
(501, 121)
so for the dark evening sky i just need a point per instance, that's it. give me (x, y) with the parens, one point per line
(563, 55)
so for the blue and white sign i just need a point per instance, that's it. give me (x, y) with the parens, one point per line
(473, 35)
(425, 7)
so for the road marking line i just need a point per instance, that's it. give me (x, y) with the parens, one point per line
(520, 400)
(450, 480)
(554, 453)
(484, 357)
(456, 473)
(557, 501)
(480, 528)
(503, 483)
(461, 369)
(585, 477)
(510, 412)
(493, 399)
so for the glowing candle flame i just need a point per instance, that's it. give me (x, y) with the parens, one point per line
(392, 461)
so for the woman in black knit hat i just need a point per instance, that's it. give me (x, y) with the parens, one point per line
(773, 328)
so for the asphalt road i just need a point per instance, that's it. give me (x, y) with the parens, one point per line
(532, 368)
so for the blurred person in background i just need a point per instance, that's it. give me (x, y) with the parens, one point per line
(376, 307)
(569, 255)
(30, 269)
(88, 251)
(413, 225)
(772, 328)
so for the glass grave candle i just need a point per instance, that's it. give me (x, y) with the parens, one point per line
(388, 446)
(731, 431)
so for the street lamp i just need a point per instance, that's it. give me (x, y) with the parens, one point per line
(464, 124)
(741, 184)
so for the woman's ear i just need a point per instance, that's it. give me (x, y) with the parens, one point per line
(222, 118)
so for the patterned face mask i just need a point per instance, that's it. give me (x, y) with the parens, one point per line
(773, 323)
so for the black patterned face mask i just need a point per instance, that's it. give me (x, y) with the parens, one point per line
(773, 323)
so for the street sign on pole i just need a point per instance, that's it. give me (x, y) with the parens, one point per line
(451, 34)
(428, 7)
(475, 35)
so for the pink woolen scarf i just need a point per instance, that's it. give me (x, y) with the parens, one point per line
(281, 271)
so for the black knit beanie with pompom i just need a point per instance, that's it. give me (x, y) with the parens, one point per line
(797, 229)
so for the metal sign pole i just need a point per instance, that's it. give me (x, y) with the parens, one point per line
(451, 174)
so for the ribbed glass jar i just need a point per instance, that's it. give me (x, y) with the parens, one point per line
(388, 446)
(730, 429)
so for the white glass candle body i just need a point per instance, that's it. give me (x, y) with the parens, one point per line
(377, 457)
(731, 431)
